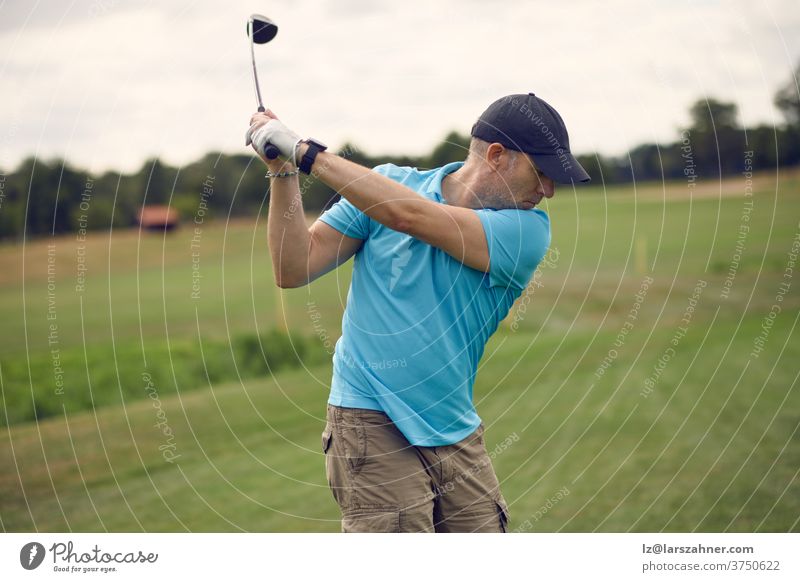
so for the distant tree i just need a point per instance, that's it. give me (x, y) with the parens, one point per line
(11, 211)
(71, 183)
(787, 99)
(49, 192)
(763, 142)
(43, 197)
(155, 182)
(454, 148)
(646, 162)
(789, 146)
(110, 199)
(709, 115)
(597, 167)
(356, 155)
(716, 140)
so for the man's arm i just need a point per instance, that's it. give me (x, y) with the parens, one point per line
(457, 231)
(300, 254)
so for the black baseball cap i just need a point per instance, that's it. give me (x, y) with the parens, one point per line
(528, 124)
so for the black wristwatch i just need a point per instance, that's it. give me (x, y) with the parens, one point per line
(314, 147)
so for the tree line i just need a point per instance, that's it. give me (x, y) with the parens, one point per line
(50, 197)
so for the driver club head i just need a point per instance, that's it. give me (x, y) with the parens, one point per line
(263, 29)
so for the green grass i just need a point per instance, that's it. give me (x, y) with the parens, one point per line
(713, 447)
(177, 365)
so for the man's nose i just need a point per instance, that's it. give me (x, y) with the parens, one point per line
(547, 187)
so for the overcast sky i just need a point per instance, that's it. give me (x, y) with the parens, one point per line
(108, 83)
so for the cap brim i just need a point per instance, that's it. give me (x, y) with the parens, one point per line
(562, 169)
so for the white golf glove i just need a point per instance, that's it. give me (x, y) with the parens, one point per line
(275, 133)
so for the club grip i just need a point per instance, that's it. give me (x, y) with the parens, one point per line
(270, 151)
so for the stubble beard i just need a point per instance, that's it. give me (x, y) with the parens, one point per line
(497, 196)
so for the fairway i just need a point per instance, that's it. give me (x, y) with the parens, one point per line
(645, 381)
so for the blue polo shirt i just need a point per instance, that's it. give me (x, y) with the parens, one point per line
(417, 320)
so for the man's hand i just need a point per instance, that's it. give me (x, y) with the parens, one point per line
(299, 254)
(267, 128)
(257, 120)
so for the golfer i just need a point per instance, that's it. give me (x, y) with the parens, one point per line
(439, 258)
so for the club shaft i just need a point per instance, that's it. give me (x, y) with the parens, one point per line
(255, 72)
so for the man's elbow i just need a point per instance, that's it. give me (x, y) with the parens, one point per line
(402, 220)
(287, 282)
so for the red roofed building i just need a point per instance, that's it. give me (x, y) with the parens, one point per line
(158, 217)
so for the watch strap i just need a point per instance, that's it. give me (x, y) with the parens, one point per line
(308, 158)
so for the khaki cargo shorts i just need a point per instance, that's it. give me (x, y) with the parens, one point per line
(382, 483)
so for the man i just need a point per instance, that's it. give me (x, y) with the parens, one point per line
(440, 257)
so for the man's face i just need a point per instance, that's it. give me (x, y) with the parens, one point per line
(533, 184)
(518, 183)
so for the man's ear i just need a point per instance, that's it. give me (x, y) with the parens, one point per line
(494, 155)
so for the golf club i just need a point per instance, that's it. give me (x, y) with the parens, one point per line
(261, 30)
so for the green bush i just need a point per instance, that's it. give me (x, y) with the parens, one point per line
(117, 376)
(270, 352)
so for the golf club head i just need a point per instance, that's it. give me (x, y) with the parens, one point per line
(264, 30)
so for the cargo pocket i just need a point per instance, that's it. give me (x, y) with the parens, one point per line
(502, 510)
(326, 438)
(371, 520)
(331, 470)
(352, 435)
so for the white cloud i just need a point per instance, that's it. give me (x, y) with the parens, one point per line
(107, 83)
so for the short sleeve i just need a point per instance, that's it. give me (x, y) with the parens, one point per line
(348, 219)
(517, 240)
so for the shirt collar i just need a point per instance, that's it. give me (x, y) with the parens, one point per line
(435, 183)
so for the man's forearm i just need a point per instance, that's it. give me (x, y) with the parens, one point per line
(382, 199)
(287, 232)
(455, 230)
